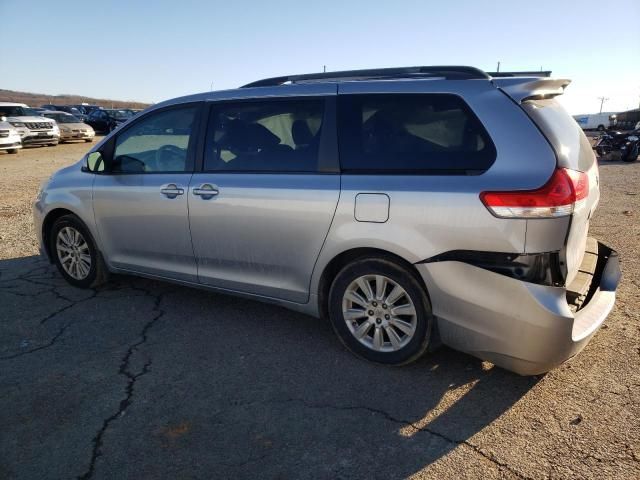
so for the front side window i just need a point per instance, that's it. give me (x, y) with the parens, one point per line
(265, 136)
(411, 133)
(156, 143)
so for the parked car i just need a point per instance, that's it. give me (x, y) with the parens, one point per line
(66, 108)
(106, 120)
(86, 109)
(9, 137)
(410, 206)
(71, 128)
(33, 128)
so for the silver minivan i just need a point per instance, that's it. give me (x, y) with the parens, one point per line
(412, 207)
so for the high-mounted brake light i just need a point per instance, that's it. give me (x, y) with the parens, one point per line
(556, 198)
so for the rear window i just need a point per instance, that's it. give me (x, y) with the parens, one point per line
(406, 133)
(571, 145)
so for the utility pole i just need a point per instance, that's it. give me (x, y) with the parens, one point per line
(498, 67)
(602, 100)
(324, 68)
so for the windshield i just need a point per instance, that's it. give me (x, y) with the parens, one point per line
(74, 111)
(62, 117)
(13, 111)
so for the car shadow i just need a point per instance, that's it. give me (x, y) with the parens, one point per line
(252, 389)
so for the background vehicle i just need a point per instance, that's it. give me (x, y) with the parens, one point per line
(106, 120)
(9, 137)
(71, 128)
(67, 108)
(627, 120)
(86, 109)
(406, 205)
(627, 143)
(594, 121)
(33, 128)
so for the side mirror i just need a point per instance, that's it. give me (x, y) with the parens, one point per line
(94, 163)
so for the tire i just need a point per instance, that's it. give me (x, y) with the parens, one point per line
(52, 145)
(12, 151)
(88, 140)
(632, 156)
(96, 273)
(601, 128)
(410, 343)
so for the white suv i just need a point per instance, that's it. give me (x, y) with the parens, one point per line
(33, 129)
(9, 137)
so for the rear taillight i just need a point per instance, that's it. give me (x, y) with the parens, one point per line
(556, 198)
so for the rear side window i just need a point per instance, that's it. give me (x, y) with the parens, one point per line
(265, 136)
(406, 133)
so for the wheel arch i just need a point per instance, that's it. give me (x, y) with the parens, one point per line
(47, 224)
(342, 259)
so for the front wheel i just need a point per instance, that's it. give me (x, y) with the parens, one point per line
(12, 151)
(380, 311)
(75, 253)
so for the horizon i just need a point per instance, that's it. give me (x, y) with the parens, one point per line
(128, 54)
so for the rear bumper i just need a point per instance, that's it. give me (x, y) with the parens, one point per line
(520, 326)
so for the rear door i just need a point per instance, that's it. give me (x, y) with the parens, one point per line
(262, 206)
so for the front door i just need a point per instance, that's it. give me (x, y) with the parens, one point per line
(140, 204)
(263, 205)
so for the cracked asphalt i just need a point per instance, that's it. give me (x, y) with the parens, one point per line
(145, 380)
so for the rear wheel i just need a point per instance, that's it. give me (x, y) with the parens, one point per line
(13, 151)
(88, 140)
(380, 311)
(632, 156)
(75, 253)
(601, 128)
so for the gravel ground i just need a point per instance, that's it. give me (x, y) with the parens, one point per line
(142, 379)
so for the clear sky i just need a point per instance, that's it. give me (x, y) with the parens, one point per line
(154, 50)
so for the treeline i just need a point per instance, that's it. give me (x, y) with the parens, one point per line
(37, 99)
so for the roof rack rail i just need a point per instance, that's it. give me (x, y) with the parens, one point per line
(448, 72)
(531, 73)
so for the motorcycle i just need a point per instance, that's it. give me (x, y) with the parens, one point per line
(627, 143)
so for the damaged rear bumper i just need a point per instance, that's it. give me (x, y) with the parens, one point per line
(521, 326)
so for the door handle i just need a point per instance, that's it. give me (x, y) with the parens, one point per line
(206, 191)
(171, 190)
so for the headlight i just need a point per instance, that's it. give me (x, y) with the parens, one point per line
(65, 129)
(632, 138)
(17, 124)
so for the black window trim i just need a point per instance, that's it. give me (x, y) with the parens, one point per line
(422, 171)
(328, 161)
(108, 149)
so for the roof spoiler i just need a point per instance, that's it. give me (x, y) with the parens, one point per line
(532, 88)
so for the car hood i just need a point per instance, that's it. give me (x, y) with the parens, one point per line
(30, 119)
